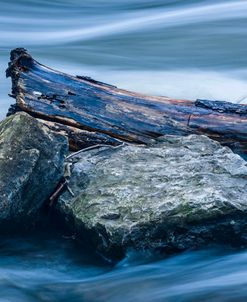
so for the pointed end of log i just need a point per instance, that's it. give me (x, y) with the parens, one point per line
(20, 61)
(17, 52)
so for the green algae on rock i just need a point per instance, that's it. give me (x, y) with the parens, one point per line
(31, 165)
(184, 192)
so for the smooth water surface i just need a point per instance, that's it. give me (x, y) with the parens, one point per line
(179, 48)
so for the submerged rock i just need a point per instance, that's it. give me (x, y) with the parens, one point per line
(31, 165)
(185, 192)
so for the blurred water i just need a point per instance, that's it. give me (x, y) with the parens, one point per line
(185, 49)
(51, 268)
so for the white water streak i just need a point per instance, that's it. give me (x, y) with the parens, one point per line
(129, 23)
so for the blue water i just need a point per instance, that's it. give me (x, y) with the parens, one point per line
(179, 48)
(53, 268)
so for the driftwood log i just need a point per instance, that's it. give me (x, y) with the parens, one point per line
(91, 112)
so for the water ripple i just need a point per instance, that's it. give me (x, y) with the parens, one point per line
(116, 23)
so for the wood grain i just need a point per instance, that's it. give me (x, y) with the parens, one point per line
(91, 112)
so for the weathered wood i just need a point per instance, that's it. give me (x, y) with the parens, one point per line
(91, 112)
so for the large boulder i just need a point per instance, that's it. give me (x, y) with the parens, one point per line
(184, 192)
(31, 165)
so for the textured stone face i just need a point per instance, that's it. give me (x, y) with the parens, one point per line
(182, 193)
(31, 165)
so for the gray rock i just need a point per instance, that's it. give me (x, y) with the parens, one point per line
(31, 165)
(186, 192)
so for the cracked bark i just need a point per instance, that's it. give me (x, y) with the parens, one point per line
(91, 112)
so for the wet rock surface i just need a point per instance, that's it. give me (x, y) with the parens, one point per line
(31, 165)
(184, 192)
